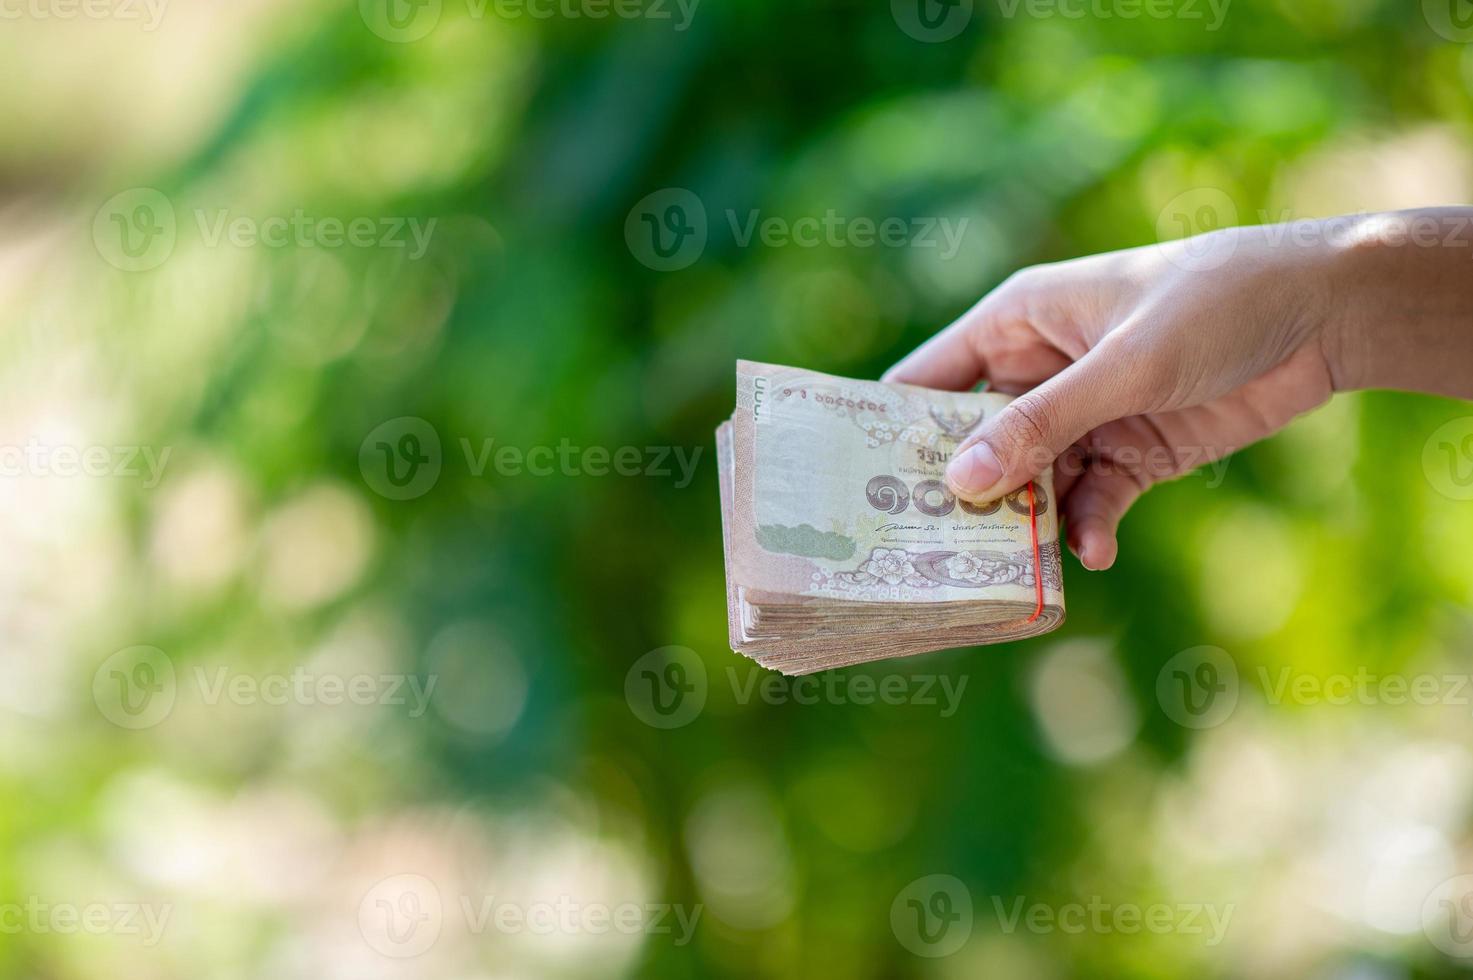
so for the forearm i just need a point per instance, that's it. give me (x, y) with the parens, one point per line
(1401, 316)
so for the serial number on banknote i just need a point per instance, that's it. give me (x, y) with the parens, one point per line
(836, 401)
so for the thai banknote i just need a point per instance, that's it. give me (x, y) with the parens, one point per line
(838, 521)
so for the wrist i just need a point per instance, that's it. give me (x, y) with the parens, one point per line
(1346, 260)
(1399, 301)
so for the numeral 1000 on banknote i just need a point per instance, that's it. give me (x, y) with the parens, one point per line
(892, 495)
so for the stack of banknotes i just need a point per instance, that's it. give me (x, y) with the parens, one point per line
(843, 542)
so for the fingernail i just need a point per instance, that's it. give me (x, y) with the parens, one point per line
(974, 471)
(1100, 553)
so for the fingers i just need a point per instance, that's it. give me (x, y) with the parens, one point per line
(1100, 477)
(956, 358)
(1028, 435)
(1069, 467)
(951, 360)
(1093, 511)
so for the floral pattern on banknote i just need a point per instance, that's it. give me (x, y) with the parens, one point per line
(932, 569)
(892, 566)
(968, 567)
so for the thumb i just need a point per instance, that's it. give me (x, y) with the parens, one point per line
(1024, 439)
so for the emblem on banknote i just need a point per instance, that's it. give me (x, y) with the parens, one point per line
(844, 542)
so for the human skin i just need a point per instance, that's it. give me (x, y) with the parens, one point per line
(1137, 366)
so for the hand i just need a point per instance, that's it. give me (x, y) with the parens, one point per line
(1133, 368)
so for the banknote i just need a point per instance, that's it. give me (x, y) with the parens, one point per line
(843, 542)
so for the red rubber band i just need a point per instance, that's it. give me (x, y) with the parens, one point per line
(1037, 557)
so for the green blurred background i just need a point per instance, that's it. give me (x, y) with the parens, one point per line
(278, 836)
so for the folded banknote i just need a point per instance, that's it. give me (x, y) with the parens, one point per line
(844, 544)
